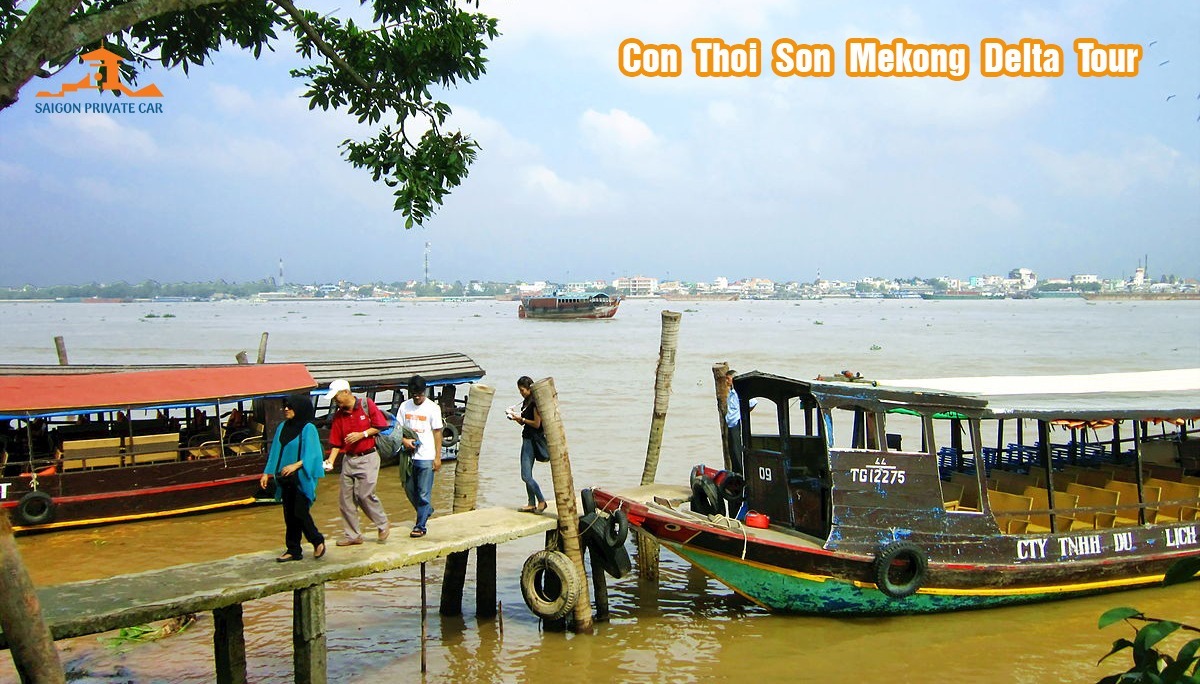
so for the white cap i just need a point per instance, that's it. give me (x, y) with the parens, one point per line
(335, 387)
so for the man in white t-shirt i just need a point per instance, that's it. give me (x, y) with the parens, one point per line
(424, 418)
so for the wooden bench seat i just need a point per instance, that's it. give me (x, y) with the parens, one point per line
(1064, 511)
(1095, 497)
(1185, 494)
(154, 448)
(1010, 510)
(104, 452)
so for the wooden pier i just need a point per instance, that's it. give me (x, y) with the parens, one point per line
(94, 606)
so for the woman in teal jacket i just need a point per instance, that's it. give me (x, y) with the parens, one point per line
(296, 460)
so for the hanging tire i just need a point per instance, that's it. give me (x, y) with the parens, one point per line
(588, 500)
(613, 560)
(900, 568)
(35, 508)
(550, 584)
(706, 499)
(450, 435)
(616, 528)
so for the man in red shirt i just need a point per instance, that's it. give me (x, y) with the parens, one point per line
(352, 432)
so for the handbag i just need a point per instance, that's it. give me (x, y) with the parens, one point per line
(541, 451)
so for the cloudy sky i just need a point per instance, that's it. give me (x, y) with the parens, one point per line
(587, 173)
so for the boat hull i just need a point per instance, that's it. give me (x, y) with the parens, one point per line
(548, 308)
(788, 572)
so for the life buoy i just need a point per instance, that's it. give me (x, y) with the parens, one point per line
(550, 584)
(900, 568)
(35, 508)
(450, 434)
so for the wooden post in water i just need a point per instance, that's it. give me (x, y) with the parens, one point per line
(60, 346)
(242, 357)
(466, 492)
(546, 398)
(229, 644)
(29, 638)
(719, 370)
(308, 635)
(648, 548)
(262, 348)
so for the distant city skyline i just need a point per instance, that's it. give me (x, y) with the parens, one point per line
(586, 172)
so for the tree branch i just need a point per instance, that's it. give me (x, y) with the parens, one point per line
(324, 48)
(92, 27)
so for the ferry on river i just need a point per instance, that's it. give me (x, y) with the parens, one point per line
(93, 448)
(917, 496)
(569, 306)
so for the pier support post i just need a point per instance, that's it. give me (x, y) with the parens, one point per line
(719, 370)
(647, 555)
(308, 635)
(485, 581)
(466, 493)
(600, 586)
(546, 398)
(242, 357)
(229, 644)
(29, 639)
(60, 346)
(262, 348)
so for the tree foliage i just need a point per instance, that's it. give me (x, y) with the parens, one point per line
(1150, 664)
(382, 73)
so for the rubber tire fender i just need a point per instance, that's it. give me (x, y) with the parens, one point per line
(706, 499)
(35, 508)
(616, 529)
(450, 434)
(588, 500)
(900, 550)
(550, 584)
(613, 560)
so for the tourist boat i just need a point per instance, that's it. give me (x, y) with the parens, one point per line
(916, 496)
(96, 448)
(570, 305)
(383, 380)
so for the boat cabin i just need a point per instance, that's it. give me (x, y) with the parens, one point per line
(847, 461)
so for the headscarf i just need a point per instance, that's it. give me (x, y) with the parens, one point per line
(303, 411)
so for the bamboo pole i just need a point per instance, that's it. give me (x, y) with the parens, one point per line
(719, 370)
(60, 346)
(262, 348)
(546, 398)
(647, 547)
(29, 639)
(466, 492)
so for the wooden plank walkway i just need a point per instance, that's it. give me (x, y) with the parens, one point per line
(94, 606)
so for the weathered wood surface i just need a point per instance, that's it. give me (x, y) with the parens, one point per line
(95, 606)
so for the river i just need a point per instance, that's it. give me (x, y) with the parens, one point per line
(686, 629)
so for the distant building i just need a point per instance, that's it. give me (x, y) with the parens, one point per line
(1084, 279)
(637, 286)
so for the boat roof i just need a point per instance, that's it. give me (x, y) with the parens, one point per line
(1169, 394)
(451, 368)
(31, 396)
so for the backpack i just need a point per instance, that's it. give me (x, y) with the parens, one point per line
(387, 442)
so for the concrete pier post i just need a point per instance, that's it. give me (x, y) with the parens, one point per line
(308, 635)
(229, 645)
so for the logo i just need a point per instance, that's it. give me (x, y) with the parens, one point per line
(106, 77)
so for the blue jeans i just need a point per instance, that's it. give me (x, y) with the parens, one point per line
(419, 489)
(532, 490)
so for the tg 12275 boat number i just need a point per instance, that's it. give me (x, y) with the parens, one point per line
(878, 472)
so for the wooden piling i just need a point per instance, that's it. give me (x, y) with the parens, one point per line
(647, 555)
(229, 644)
(546, 398)
(600, 586)
(262, 348)
(60, 346)
(466, 493)
(485, 581)
(719, 370)
(308, 635)
(242, 357)
(29, 638)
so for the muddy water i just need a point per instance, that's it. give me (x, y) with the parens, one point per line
(687, 628)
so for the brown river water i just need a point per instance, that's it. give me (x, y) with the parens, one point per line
(687, 628)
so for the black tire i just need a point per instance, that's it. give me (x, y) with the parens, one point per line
(900, 568)
(613, 560)
(588, 499)
(616, 529)
(35, 508)
(450, 435)
(706, 500)
(550, 584)
(733, 486)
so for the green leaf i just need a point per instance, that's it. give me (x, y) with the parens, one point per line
(1117, 615)
(1154, 632)
(1182, 571)
(1118, 646)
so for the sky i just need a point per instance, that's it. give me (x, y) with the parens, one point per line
(587, 173)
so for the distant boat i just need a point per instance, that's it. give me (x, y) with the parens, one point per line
(702, 297)
(567, 306)
(962, 294)
(1057, 294)
(1139, 296)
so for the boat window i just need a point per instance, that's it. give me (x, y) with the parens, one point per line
(905, 431)
(852, 427)
(766, 431)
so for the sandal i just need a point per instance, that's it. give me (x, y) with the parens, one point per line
(530, 508)
(541, 507)
(416, 533)
(319, 550)
(287, 557)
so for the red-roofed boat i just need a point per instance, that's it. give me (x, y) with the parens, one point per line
(89, 449)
